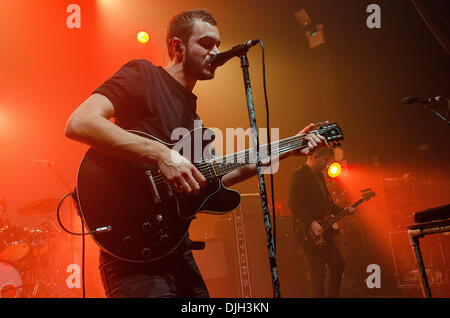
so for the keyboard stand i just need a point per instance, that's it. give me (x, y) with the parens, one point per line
(417, 231)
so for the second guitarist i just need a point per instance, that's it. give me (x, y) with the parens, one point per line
(310, 201)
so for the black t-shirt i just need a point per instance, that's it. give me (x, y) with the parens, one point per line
(147, 98)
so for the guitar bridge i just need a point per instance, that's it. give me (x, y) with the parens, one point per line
(153, 188)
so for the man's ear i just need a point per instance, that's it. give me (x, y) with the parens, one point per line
(177, 47)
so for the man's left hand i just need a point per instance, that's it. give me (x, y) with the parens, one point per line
(351, 210)
(314, 141)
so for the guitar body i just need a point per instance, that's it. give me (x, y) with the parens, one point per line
(309, 236)
(116, 196)
(306, 234)
(134, 214)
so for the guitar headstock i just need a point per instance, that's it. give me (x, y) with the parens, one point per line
(366, 194)
(332, 132)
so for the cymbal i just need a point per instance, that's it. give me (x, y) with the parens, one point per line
(39, 207)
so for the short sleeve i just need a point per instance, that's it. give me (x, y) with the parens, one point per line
(127, 84)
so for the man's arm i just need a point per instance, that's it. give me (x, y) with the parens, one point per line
(299, 198)
(90, 124)
(299, 203)
(246, 172)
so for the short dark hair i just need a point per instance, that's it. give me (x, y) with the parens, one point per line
(182, 25)
(322, 152)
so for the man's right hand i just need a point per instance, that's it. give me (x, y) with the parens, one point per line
(90, 124)
(180, 173)
(316, 228)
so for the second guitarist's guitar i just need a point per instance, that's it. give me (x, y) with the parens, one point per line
(327, 222)
(134, 214)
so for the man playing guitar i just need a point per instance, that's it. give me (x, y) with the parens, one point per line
(155, 100)
(310, 202)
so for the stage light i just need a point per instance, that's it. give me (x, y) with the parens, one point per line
(334, 170)
(143, 37)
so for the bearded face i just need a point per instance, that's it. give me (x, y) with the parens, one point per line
(201, 46)
(197, 67)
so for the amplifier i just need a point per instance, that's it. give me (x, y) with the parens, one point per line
(235, 262)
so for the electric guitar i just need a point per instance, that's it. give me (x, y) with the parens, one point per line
(328, 221)
(133, 213)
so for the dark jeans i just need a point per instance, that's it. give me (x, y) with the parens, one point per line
(318, 257)
(176, 275)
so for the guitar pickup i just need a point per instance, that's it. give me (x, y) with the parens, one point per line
(152, 186)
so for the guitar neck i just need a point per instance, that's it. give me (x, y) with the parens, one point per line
(328, 223)
(228, 163)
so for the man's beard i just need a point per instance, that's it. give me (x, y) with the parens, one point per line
(194, 69)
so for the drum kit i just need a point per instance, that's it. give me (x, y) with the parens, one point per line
(27, 262)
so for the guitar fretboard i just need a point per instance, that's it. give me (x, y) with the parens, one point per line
(328, 223)
(228, 163)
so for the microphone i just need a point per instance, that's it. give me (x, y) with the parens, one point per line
(44, 161)
(221, 58)
(413, 100)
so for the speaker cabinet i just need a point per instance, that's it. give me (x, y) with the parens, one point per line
(235, 262)
(435, 251)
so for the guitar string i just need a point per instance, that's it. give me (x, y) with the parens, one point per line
(244, 154)
(283, 145)
(298, 140)
(235, 159)
(208, 171)
(206, 167)
(209, 167)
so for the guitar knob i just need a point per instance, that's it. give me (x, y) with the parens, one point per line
(146, 253)
(146, 226)
(164, 238)
(127, 241)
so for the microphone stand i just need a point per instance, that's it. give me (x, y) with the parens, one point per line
(446, 118)
(262, 185)
(61, 179)
(49, 165)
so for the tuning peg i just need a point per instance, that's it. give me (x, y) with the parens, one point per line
(333, 144)
(322, 124)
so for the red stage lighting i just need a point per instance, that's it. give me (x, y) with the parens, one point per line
(334, 170)
(143, 37)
